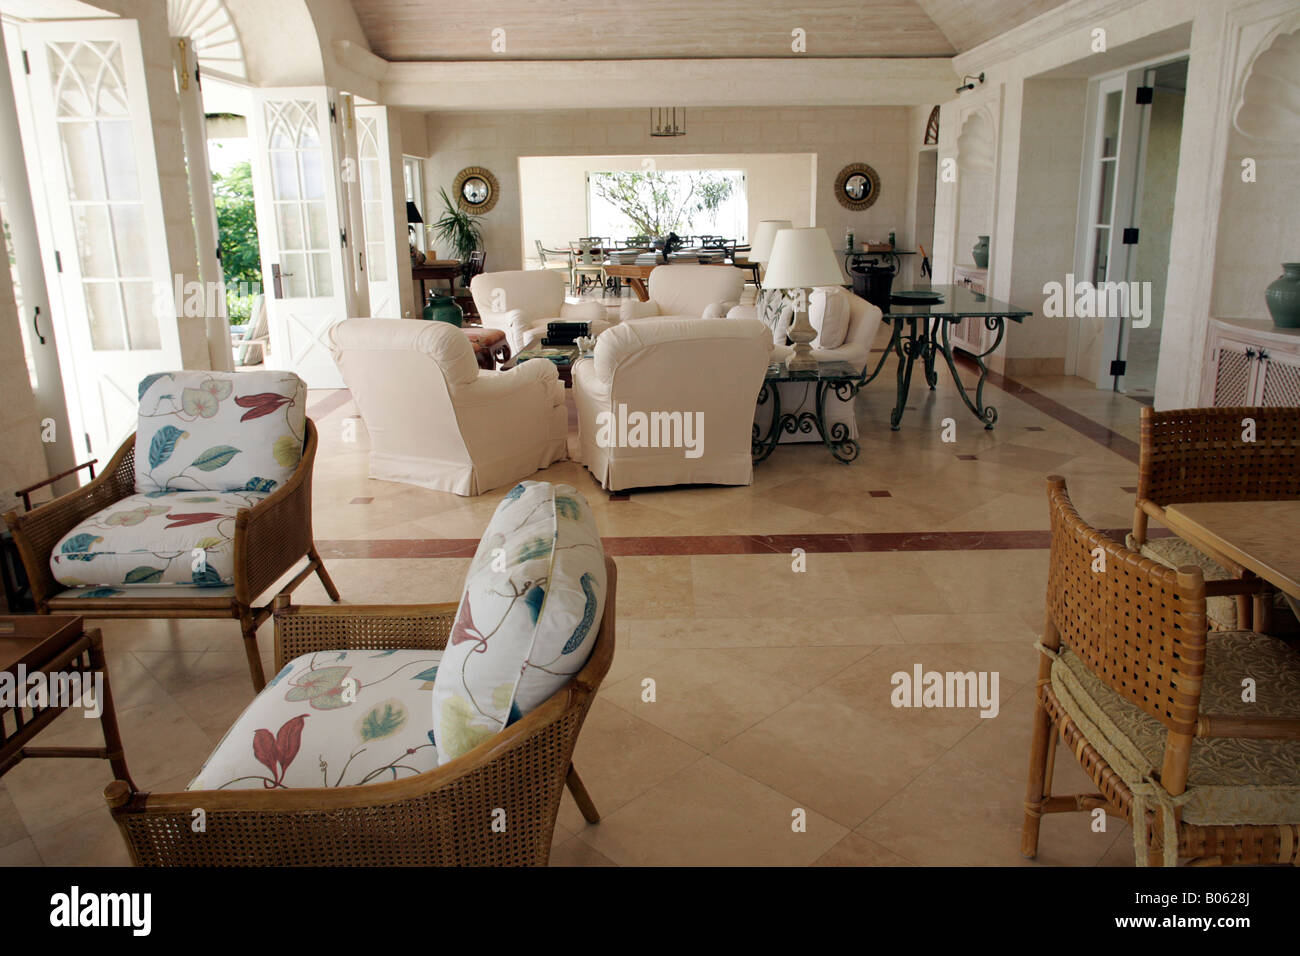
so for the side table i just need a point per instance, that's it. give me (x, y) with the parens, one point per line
(48, 650)
(838, 378)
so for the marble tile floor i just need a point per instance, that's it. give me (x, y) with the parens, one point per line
(772, 685)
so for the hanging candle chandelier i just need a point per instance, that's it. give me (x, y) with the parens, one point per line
(668, 121)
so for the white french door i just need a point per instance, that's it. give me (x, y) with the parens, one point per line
(117, 315)
(374, 168)
(295, 161)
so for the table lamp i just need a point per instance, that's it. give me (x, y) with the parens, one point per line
(802, 259)
(760, 247)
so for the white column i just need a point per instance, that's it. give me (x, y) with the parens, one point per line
(194, 134)
(50, 400)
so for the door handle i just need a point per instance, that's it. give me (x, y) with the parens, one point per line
(277, 287)
(36, 324)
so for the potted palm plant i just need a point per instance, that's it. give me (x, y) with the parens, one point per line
(461, 230)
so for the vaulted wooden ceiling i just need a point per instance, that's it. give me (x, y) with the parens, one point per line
(709, 29)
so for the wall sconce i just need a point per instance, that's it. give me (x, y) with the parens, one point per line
(966, 83)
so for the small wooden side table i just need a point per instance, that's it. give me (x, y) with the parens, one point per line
(51, 644)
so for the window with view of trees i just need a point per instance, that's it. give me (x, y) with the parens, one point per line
(656, 202)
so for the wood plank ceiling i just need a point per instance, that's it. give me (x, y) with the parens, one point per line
(708, 29)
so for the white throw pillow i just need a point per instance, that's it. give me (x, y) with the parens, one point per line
(776, 312)
(528, 616)
(828, 313)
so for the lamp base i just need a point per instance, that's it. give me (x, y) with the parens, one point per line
(801, 333)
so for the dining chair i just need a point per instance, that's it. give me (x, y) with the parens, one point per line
(555, 260)
(587, 265)
(1154, 712)
(1245, 453)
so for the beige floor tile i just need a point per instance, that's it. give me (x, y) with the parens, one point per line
(676, 634)
(856, 850)
(702, 697)
(711, 815)
(575, 852)
(956, 814)
(832, 757)
(619, 757)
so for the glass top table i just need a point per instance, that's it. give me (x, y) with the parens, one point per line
(924, 331)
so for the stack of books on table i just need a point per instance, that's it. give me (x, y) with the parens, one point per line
(565, 334)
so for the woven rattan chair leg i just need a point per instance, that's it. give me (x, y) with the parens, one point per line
(1034, 789)
(325, 579)
(249, 627)
(581, 797)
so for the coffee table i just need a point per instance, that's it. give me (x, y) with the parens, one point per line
(829, 378)
(562, 357)
(51, 645)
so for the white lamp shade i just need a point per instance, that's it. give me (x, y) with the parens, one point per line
(760, 247)
(802, 259)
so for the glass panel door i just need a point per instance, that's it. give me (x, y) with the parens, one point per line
(296, 178)
(91, 112)
(378, 217)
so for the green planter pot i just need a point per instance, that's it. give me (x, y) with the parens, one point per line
(443, 308)
(1283, 297)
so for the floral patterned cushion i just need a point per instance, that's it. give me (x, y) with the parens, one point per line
(1230, 780)
(219, 431)
(331, 719)
(528, 616)
(176, 538)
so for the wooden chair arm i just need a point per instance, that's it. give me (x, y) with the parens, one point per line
(36, 532)
(308, 629)
(1252, 728)
(26, 493)
(274, 534)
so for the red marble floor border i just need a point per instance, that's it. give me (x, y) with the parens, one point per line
(1103, 436)
(706, 544)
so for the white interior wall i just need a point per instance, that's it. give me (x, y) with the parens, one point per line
(837, 135)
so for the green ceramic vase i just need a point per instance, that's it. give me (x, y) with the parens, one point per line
(1283, 297)
(443, 308)
(980, 252)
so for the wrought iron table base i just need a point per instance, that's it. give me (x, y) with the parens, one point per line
(834, 435)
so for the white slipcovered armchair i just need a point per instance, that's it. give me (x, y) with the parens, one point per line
(439, 421)
(671, 402)
(522, 302)
(799, 397)
(687, 292)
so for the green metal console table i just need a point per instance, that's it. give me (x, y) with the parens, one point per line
(924, 331)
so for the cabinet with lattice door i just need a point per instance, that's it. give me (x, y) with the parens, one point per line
(1251, 362)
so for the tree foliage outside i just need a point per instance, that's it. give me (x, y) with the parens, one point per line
(241, 264)
(658, 202)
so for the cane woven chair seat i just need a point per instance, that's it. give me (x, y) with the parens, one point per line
(1175, 553)
(1230, 780)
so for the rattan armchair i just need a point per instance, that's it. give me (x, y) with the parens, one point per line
(1202, 454)
(1128, 675)
(438, 818)
(270, 538)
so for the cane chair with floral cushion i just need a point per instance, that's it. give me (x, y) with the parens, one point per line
(1215, 454)
(404, 735)
(1153, 710)
(213, 510)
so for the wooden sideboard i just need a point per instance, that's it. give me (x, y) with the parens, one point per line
(1251, 362)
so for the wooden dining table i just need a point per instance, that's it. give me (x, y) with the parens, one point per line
(1261, 536)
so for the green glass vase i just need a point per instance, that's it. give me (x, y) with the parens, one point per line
(443, 308)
